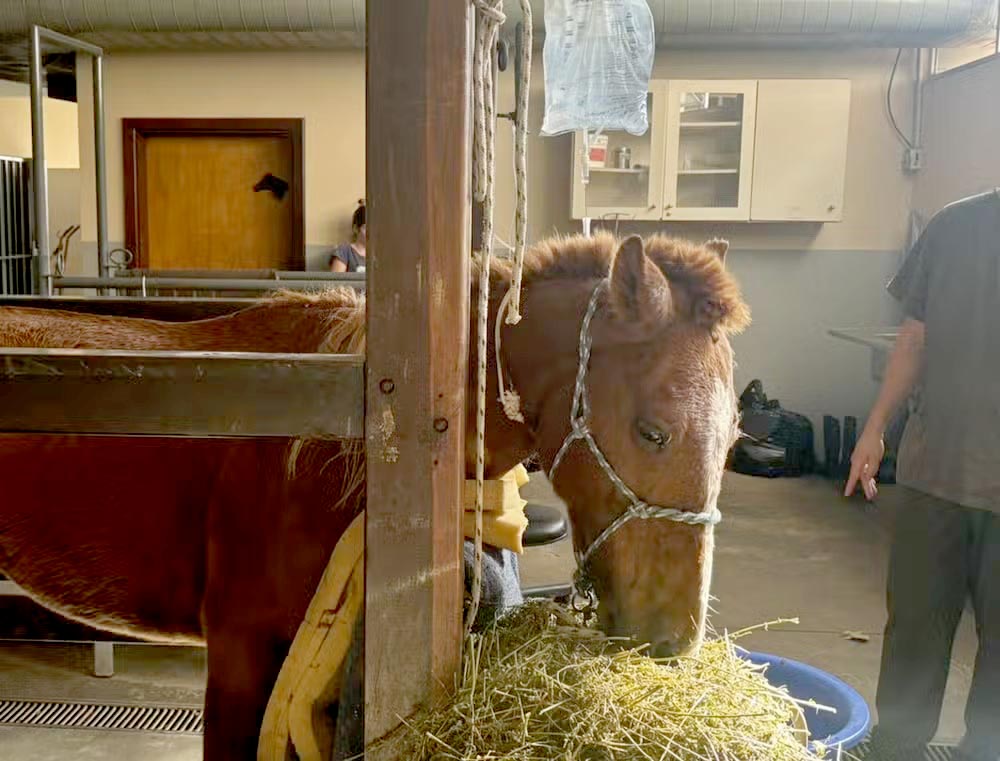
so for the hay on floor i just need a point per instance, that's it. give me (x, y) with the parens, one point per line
(540, 685)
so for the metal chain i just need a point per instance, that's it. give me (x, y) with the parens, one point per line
(580, 431)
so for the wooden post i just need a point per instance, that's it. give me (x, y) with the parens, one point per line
(418, 154)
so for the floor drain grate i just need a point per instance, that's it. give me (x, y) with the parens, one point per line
(130, 718)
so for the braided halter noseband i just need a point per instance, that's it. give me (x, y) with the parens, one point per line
(583, 585)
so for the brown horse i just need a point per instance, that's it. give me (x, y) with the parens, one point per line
(223, 541)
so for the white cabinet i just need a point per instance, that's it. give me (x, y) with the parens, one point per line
(800, 153)
(602, 189)
(734, 150)
(710, 138)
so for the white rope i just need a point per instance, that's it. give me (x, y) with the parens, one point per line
(521, 166)
(489, 17)
(510, 400)
(510, 307)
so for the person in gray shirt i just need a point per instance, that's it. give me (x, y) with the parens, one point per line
(351, 257)
(946, 539)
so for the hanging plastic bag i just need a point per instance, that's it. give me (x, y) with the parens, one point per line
(598, 60)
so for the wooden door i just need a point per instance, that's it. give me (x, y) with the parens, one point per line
(192, 202)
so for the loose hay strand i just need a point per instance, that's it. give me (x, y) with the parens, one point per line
(540, 686)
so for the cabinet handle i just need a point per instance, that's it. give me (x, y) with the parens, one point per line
(831, 207)
(666, 210)
(651, 207)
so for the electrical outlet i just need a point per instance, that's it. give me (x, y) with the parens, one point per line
(913, 159)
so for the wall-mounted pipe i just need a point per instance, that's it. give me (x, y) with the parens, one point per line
(918, 98)
(39, 166)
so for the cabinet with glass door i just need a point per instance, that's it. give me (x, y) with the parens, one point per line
(709, 149)
(620, 176)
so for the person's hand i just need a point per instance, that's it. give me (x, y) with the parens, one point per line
(865, 460)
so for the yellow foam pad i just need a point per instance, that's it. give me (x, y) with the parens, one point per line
(504, 520)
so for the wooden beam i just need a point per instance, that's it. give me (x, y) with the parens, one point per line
(418, 155)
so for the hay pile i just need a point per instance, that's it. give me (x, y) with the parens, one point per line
(542, 686)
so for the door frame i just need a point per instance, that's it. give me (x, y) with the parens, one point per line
(135, 133)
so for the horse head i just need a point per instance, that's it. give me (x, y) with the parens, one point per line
(625, 373)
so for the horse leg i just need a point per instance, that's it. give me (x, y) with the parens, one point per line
(243, 665)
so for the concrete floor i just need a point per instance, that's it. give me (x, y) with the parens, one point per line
(786, 548)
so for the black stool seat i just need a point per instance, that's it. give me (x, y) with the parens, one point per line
(545, 525)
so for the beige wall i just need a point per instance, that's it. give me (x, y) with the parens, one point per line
(326, 89)
(877, 195)
(962, 122)
(801, 280)
(61, 140)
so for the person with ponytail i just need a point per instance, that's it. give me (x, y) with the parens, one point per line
(350, 257)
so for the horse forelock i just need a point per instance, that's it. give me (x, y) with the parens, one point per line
(693, 267)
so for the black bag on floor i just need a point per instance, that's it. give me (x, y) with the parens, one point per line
(778, 442)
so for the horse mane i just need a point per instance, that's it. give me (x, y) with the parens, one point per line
(697, 269)
(343, 316)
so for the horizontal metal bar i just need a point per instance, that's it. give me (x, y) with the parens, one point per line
(201, 284)
(69, 42)
(165, 393)
(262, 274)
(551, 591)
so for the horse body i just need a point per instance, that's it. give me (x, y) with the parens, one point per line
(224, 541)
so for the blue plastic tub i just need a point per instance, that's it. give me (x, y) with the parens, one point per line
(844, 729)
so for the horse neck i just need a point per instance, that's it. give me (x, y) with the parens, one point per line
(539, 359)
(263, 328)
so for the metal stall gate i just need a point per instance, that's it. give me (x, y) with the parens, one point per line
(15, 227)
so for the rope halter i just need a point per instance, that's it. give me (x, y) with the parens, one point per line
(579, 419)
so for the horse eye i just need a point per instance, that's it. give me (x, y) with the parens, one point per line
(652, 436)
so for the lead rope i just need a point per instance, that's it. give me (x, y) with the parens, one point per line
(510, 308)
(489, 18)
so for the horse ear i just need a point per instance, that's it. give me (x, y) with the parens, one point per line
(719, 246)
(640, 292)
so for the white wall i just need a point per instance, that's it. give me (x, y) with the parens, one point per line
(801, 279)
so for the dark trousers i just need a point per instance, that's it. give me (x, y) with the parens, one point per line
(942, 556)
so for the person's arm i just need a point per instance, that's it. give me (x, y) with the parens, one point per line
(901, 376)
(337, 265)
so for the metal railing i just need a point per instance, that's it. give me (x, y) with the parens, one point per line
(15, 227)
(217, 285)
(40, 178)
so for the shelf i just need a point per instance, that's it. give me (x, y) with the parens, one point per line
(708, 171)
(616, 170)
(686, 125)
